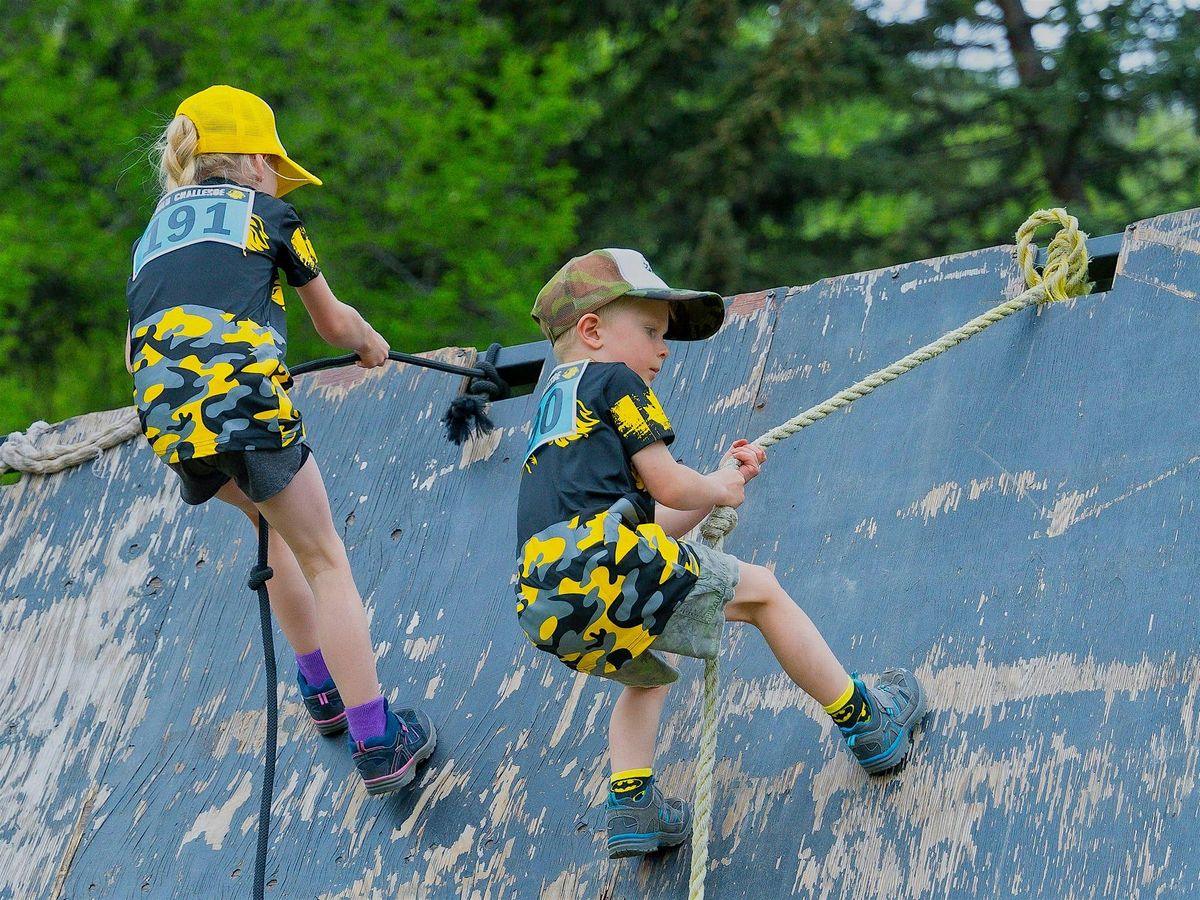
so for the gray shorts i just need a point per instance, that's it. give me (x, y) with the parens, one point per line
(261, 474)
(694, 629)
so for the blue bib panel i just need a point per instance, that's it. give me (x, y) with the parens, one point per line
(194, 215)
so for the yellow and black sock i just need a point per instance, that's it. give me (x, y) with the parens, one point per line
(850, 708)
(632, 784)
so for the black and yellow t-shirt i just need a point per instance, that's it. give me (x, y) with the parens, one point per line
(208, 327)
(597, 580)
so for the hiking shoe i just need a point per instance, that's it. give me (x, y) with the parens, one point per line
(636, 828)
(897, 706)
(324, 705)
(389, 762)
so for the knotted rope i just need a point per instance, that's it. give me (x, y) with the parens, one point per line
(1064, 276)
(467, 414)
(33, 451)
(260, 574)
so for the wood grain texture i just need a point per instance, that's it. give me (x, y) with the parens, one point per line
(1015, 520)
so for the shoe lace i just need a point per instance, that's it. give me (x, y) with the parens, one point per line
(406, 736)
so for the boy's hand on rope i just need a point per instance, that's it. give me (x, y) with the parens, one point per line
(374, 351)
(748, 457)
(730, 485)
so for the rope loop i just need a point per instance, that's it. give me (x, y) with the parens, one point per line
(467, 414)
(491, 386)
(1065, 273)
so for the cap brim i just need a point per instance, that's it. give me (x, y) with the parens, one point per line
(696, 315)
(292, 176)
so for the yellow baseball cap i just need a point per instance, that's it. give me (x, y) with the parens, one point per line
(230, 120)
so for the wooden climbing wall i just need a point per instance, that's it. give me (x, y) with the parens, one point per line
(1016, 520)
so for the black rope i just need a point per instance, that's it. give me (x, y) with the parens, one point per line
(259, 576)
(467, 414)
(332, 362)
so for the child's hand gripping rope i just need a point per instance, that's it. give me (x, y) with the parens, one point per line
(748, 458)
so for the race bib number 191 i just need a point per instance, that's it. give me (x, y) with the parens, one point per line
(194, 214)
(555, 417)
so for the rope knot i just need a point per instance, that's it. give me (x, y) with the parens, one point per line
(259, 576)
(467, 414)
(1065, 273)
(492, 386)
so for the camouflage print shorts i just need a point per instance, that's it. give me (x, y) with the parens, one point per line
(694, 628)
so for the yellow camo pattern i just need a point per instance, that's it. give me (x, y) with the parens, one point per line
(205, 383)
(596, 593)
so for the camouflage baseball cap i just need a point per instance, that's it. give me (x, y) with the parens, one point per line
(598, 278)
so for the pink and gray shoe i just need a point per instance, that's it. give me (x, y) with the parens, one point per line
(324, 705)
(389, 762)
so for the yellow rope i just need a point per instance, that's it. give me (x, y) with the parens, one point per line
(1064, 276)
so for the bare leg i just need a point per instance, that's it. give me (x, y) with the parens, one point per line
(300, 514)
(790, 633)
(291, 598)
(633, 727)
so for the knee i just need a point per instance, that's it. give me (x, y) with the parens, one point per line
(758, 593)
(325, 553)
(639, 695)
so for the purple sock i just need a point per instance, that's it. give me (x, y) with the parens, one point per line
(368, 720)
(313, 668)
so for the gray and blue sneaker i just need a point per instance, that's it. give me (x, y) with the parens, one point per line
(324, 705)
(897, 705)
(639, 827)
(389, 762)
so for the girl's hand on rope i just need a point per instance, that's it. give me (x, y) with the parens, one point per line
(748, 457)
(374, 351)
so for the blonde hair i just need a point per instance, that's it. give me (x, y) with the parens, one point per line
(565, 343)
(179, 164)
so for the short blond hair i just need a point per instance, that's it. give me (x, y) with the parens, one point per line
(565, 342)
(180, 165)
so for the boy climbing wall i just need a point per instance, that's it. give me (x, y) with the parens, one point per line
(605, 584)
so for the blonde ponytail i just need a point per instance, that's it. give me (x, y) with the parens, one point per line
(176, 150)
(180, 165)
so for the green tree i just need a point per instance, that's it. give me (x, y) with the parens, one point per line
(446, 198)
(1009, 110)
(469, 146)
(753, 144)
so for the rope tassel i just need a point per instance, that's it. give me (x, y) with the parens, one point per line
(1064, 276)
(467, 414)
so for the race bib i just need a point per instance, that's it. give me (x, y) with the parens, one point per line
(555, 417)
(194, 215)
